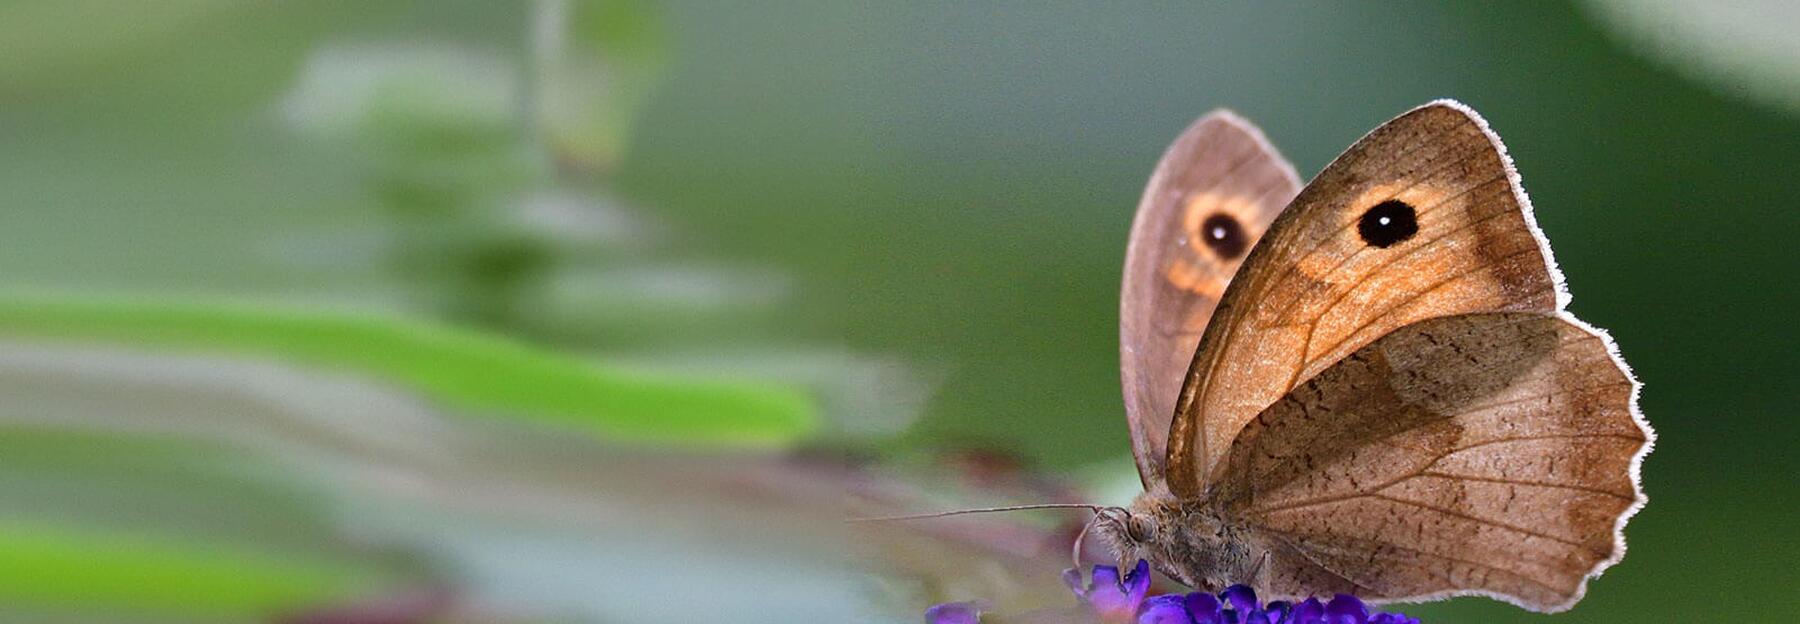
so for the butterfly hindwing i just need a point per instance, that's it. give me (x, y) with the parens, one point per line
(1491, 453)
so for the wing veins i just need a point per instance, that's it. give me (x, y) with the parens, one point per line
(1313, 327)
(1477, 519)
(1521, 575)
(1375, 489)
(1488, 406)
(1256, 149)
(1411, 298)
(1285, 541)
(1284, 538)
(1289, 272)
(1558, 486)
(1559, 436)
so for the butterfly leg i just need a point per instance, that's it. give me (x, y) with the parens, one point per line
(1259, 575)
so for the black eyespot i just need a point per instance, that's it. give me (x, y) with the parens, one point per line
(1224, 236)
(1389, 222)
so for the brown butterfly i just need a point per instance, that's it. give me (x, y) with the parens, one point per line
(1389, 399)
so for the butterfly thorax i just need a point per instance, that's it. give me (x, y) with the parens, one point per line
(1190, 541)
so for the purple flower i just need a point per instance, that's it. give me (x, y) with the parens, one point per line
(1113, 599)
(1164, 609)
(1342, 609)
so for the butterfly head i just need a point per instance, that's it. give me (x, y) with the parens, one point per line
(1186, 542)
(1124, 531)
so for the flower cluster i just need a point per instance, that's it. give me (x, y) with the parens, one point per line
(1127, 600)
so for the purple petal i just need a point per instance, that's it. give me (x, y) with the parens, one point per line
(1241, 597)
(1104, 575)
(1137, 583)
(1108, 597)
(1164, 609)
(1205, 608)
(1309, 612)
(953, 613)
(1347, 605)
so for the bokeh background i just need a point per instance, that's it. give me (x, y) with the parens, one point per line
(524, 311)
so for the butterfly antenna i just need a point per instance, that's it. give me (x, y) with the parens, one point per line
(942, 514)
(1075, 551)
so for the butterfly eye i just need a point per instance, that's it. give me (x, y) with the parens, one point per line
(1224, 236)
(1139, 528)
(1388, 223)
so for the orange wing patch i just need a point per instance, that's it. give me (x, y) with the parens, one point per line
(1217, 230)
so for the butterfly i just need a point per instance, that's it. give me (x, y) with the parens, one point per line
(1368, 385)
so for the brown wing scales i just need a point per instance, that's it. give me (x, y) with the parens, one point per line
(1490, 453)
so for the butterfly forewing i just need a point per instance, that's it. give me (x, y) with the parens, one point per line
(1486, 453)
(1212, 195)
(1420, 219)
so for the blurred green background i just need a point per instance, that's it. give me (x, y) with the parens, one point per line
(892, 228)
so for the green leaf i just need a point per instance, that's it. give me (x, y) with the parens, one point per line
(474, 372)
(43, 565)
